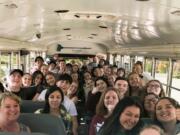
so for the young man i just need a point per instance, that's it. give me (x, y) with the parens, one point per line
(15, 85)
(64, 81)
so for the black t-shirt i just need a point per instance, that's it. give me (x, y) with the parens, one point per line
(26, 93)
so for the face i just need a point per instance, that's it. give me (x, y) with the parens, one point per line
(154, 87)
(10, 110)
(129, 117)
(27, 80)
(74, 76)
(38, 79)
(50, 79)
(137, 69)
(73, 88)
(97, 72)
(110, 100)
(111, 80)
(149, 102)
(134, 80)
(101, 85)
(62, 65)
(87, 76)
(120, 73)
(122, 86)
(75, 68)
(15, 80)
(38, 63)
(44, 69)
(165, 111)
(55, 99)
(149, 132)
(64, 85)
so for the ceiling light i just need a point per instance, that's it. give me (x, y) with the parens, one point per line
(93, 34)
(103, 27)
(11, 6)
(177, 12)
(67, 29)
(99, 16)
(61, 11)
(77, 16)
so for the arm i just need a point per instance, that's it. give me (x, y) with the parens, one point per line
(74, 125)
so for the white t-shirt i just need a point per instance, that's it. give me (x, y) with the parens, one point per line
(68, 104)
(41, 97)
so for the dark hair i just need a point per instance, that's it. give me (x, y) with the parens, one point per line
(121, 78)
(65, 77)
(35, 74)
(103, 79)
(122, 69)
(112, 124)
(39, 58)
(51, 89)
(173, 102)
(49, 73)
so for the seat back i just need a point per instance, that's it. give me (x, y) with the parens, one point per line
(43, 123)
(23, 133)
(29, 106)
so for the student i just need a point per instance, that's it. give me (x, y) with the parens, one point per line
(9, 113)
(125, 119)
(15, 85)
(151, 130)
(150, 101)
(27, 80)
(101, 85)
(104, 108)
(155, 86)
(64, 82)
(166, 115)
(53, 105)
(123, 86)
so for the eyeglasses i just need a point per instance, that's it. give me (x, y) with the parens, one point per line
(154, 100)
(154, 85)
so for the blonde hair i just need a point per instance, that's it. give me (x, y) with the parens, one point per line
(10, 95)
(156, 128)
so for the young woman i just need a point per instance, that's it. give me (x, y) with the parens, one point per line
(125, 119)
(155, 86)
(150, 101)
(104, 108)
(101, 85)
(53, 99)
(136, 85)
(27, 80)
(166, 116)
(9, 113)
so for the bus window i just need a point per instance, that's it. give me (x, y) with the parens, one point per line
(148, 66)
(175, 81)
(161, 71)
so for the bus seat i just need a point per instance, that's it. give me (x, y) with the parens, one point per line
(43, 123)
(23, 133)
(29, 106)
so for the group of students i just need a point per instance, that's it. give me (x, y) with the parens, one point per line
(115, 103)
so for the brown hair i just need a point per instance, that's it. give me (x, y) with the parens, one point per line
(100, 108)
(162, 93)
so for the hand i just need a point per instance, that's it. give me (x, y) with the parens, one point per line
(95, 90)
(178, 114)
